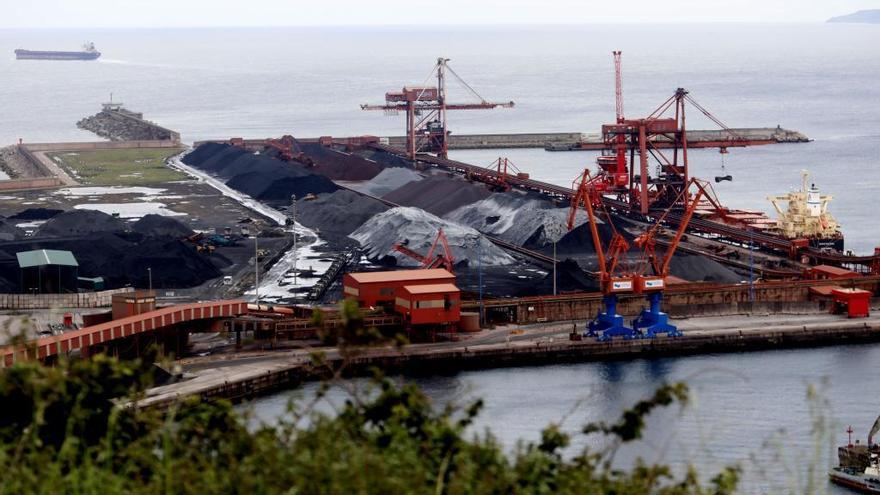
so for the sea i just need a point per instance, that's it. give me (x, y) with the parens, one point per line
(757, 409)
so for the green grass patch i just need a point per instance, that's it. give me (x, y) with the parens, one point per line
(125, 167)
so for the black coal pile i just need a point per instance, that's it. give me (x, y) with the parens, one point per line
(699, 269)
(578, 245)
(337, 214)
(258, 175)
(122, 260)
(438, 194)
(31, 214)
(387, 181)
(161, 226)
(580, 240)
(338, 164)
(80, 222)
(383, 157)
(8, 230)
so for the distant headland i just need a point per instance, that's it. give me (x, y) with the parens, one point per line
(862, 16)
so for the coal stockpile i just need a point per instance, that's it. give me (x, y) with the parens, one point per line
(105, 246)
(258, 175)
(36, 214)
(383, 157)
(121, 261)
(339, 165)
(80, 222)
(387, 181)
(580, 240)
(418, 229)
(578, 245)
(8, 230)
(337, 214)
(161, 226)
(438, 194)
(515, 217)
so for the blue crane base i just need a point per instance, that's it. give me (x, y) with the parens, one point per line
(651, 321)
(608, 324)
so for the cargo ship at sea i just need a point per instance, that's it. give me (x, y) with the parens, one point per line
(88, 52)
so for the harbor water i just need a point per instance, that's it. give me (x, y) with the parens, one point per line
(815, 78)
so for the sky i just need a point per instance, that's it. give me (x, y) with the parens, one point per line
(223, 13)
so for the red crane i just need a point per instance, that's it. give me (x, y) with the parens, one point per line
(426, 107)
(612, 279)
(284, 146)
(615, 277)
(613, 167)
(663, 129)
(432, 259)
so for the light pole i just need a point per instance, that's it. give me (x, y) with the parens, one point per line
(150, 278)
(293, 226)
(256, 269)
(554, 268)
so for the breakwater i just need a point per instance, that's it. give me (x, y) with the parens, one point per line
(116, 123)
(561, 141)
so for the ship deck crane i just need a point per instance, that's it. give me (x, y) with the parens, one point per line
(426, 107)
(433, 258)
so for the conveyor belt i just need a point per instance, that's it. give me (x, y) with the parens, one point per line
(743, 236)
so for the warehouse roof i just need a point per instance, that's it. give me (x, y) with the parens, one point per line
(42, 257)
(430, 288)
(400, 276)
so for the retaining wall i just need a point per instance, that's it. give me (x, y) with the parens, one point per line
(80, 300)
(100, 145)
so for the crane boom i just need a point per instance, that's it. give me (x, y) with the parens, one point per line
(425, 108)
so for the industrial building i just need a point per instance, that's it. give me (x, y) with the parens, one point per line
(373, 289)
(432, 304)
(46, 271)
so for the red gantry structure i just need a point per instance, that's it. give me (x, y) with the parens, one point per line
(426, 107)
(432, 259)
(644, 141)
(616, 276)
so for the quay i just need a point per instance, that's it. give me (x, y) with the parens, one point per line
(246, 375)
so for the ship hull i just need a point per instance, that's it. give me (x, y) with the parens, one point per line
(831, 243)
(858, 482)
(44, 55)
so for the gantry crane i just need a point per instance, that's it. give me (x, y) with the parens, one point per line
(665, 128)
(613, 278)
(432, 259)
(426, 107)
(652, 320)
(618, 277)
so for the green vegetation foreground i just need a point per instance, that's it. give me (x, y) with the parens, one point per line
(62, 431)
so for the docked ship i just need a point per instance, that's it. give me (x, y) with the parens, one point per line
(806, 217)
(88, 52)
(858, 466)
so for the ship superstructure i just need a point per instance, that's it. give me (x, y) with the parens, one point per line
(806, 216)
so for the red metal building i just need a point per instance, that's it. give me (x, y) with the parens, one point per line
(434, 304)
(373, 289)
(855, 303)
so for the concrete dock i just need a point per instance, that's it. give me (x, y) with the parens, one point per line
(248, 374)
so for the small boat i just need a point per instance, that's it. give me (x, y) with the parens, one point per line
(88, 53)
(859, 465)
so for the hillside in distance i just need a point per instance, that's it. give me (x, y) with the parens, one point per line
(863, 16)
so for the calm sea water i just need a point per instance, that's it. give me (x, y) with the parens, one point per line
(819, 79)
